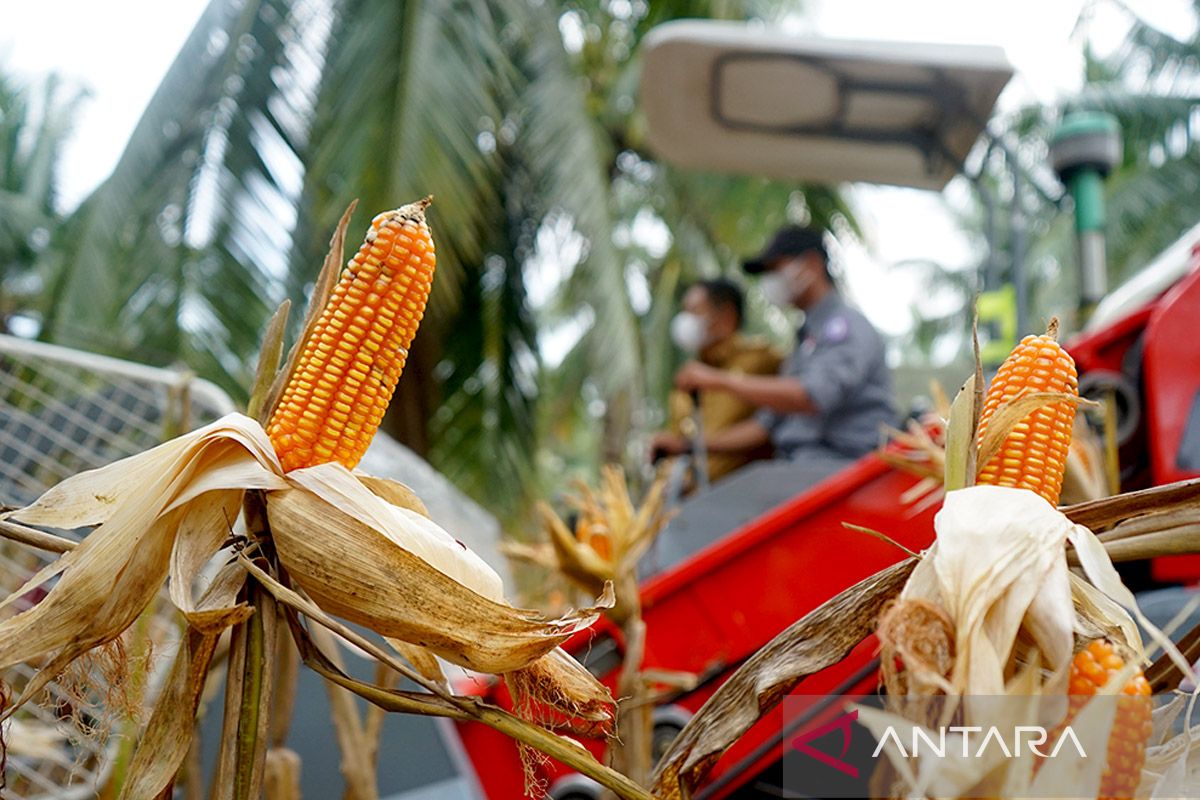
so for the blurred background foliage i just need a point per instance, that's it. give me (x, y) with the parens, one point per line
(1151, 84)
(34, 124)
(562, 243)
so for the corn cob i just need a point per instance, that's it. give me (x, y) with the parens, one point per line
(1034, 455)
(352, 360)
(1090, 670)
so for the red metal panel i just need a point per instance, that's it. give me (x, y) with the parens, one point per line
(714, 610)
(1105, 348)
(1171, 374)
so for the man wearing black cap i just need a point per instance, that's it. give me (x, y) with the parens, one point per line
(832, 394)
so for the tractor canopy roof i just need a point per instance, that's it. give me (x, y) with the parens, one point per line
(733, 97)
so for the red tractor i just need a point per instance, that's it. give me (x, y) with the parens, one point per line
(755, 552)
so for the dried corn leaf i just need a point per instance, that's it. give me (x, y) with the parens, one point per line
(338, 490)
(1100, 571)
(155, 478)
(395, 492)
(168, 736)
(141, 505)
(578, 561)
(647, 523)
(1010, 414)
(822, 637)
(1105, 616)
(268, 363)
(540, 554)
(960, 439)
(397, 573)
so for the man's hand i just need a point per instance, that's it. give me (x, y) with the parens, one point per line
(695, 376)
(665, 444)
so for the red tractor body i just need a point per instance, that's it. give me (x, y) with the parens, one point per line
(719, 598)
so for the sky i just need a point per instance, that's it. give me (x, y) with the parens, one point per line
(119, 49)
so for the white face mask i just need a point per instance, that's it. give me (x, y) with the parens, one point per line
(782, 286)
(689, 332)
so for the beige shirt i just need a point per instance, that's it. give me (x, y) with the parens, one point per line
(720, 410)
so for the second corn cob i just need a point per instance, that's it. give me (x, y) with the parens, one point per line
(1034, 455)
(1091, 669)
(348, 370)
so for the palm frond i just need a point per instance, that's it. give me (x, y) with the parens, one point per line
(180, 254)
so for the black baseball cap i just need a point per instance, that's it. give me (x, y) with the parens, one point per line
(793, 240)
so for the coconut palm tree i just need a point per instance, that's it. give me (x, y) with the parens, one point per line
(519, 117)
(34, 123)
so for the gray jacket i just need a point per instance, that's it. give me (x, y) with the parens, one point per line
(839, 357)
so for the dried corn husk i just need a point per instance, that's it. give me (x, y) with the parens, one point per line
(611, 534)
(559, 682)
(168, 510)
(399, 574)
(181, 490)
(999, 563)
(999, 569)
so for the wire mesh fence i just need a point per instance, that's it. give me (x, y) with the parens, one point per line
(64, 411)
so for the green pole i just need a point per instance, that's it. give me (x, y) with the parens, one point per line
(1084, 149)
(1087, 190)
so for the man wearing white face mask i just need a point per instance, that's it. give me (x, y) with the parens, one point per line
(832, 394)
(707, 328)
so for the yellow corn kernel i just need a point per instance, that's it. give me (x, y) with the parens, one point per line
(1034, 455)
(353, 359)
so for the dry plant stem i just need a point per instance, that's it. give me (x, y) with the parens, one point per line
(222, 785)
(385, 678)
(254, 716)
(1164, 674)
(282, 781)
(1151, 523)
(287, 663)
(355, 765)
(35, 538)
(1184, 540)
(822, 637)
(457, 708)
(244, 732)
(1101, 514)
(553, 745)
(311, 610)
(631, 753)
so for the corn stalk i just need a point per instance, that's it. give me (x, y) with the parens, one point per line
(168, 512)
(610, 535)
